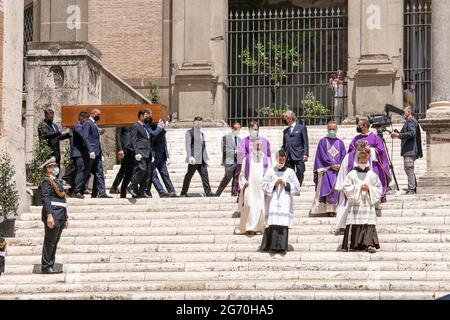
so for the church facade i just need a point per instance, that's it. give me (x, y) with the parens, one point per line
(225, 60)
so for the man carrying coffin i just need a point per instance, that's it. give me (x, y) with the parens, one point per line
(280, 183)
(330, 153)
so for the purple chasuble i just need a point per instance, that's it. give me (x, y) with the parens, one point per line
(329, 152)
(381, 166)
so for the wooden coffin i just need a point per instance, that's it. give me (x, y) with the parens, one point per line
(120, 115)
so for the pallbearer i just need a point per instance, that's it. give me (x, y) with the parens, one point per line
(280, 183)
(329, 156)
(363, 190)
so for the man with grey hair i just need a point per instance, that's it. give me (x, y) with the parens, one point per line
(411, 147)
(295, 145)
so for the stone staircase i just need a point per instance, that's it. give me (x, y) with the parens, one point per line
(184, 248)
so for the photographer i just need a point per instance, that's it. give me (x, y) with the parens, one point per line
(411, 147)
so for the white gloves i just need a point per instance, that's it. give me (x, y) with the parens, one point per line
(192, 160)
(168, 161)
(161, 124)
(103, 159)
(138, 157)
(92, 155)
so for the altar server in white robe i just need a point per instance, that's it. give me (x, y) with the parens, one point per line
(251, 198)
(348, 164)
(363, 190)
(280, 183)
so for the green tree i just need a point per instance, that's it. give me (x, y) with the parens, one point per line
(9, 195)
(41, 153)
(153, 92)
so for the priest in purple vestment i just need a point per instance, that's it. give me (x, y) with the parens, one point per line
(378, 155)
(247, 145)
(330, 153)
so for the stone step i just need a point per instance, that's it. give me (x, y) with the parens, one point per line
(440, 287)
(233, 295)
(301, 216)
(155, 257)
(220, 239)
(214, 278)
(201, 248)
(225, 230)
(125, 222)
(200, 267)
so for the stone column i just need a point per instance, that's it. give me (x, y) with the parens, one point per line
(59, 73)
(437, 121)
(61, 20)
(375, 62)
(199, 60)
(12, 134)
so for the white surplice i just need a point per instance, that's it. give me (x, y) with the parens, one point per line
(361, 204)
(251, 199)
(281, 208)
(341, 208)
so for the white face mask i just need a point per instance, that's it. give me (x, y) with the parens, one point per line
(363, 165)
(280, 165)
(254, 134)
(198, 125)
(236, 133)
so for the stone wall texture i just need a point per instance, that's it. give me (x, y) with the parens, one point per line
(1, 68)
(129, 35)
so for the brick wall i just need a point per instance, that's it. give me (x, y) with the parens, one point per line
(129, 35)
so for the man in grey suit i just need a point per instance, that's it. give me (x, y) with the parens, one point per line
(230, 145)
(196, 158)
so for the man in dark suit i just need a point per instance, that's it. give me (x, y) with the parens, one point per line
(78, 153)
(196, 158)
(295, 145)
(141, 135)
(54, 214)
(230, 148)
(161, 159)
(123, 140)
(125, 152)
(49, 132)
(94, 161)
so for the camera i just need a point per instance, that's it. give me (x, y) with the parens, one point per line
(382, 121)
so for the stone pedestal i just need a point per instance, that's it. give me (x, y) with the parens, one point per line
(199, 61)
(64, 73)
(437, 121)
(437, 126)
(375, 56)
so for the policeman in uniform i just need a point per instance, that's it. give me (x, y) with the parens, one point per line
(54, 214)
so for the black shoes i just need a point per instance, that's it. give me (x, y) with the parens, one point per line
(104, 196)
(184, 195)
(410, 192)
(211, 195)
(114, 191)
(50, 270)
(146, 196)
(77, 196)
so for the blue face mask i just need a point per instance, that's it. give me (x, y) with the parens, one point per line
(56, 171)
(332, 133)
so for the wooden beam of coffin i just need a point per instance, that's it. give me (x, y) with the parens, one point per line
(112, 116)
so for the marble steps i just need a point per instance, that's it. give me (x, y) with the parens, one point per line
(178, 257)
(233, 295)
(201, 267)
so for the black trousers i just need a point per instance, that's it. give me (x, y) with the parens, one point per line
(299, 168)
(128, 165)
(230, 174)
(142, 175)
(51, 240)
(119, 177)
(161, 167)
(202, 169)
(77, 174)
